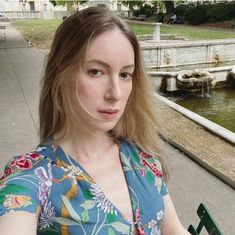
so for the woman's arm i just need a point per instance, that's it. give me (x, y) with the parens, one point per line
(18, 222)
(171, 224)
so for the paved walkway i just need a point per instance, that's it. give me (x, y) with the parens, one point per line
(20, 70)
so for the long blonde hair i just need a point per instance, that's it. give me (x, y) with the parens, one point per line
(138, 123)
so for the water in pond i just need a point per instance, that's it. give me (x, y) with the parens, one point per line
(219, 108)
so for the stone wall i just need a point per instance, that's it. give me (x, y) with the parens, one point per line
(168, 79)
(160, 54)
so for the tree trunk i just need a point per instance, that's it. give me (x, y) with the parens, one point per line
(169, 6)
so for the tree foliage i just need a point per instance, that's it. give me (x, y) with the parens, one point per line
(170, 6)
(132, 4)
(206, 12)
(67, 2)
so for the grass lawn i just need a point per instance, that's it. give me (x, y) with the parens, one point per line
(189, 32)
(41, 32)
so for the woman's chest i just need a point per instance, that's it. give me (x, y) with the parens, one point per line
(77, 203)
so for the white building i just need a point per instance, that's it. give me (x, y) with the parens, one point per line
(29, 5)
(113, 5)
(46, 5)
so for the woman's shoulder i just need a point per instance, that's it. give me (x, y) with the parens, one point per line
(40, 157)
(23, 180)
(141, 156)
(149, 167)
(128, 146)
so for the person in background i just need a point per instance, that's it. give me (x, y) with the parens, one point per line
(173, 19)
(99, 168)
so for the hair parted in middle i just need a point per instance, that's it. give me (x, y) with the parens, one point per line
(57, 108)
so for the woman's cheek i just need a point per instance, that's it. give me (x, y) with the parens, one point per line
(88, 91)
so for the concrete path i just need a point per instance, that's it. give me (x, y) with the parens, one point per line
(20, 71)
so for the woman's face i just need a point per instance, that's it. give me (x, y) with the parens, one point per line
(105, 81)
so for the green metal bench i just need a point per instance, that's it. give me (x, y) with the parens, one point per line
(206, 221)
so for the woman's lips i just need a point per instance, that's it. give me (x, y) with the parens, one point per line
(109, 114)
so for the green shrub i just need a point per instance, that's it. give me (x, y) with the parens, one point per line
(146, 10)
(136, 13)
(181, 9)
(231, 6)
(218, 12)
(160, 17)
(207, 12)
(196, 15)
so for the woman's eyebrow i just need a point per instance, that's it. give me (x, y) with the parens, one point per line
(106, 65)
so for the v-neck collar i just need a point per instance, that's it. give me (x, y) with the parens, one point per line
(62, 156)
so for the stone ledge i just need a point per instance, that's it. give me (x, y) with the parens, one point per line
(210, 151)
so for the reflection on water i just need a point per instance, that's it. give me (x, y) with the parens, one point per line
(219, 108)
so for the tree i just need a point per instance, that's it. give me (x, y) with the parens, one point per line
(132, 4)
(170, 7)
(68, 2)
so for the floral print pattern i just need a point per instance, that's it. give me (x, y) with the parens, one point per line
(66, 200)
(12, 201)
(101, 200)
(47, 217)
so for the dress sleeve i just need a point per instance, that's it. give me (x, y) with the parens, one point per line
(24, 184)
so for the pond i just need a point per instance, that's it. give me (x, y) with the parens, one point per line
(219, 108)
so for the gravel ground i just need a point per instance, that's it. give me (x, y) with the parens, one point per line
(211, 149)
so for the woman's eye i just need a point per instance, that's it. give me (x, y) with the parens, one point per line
(126, 76)
(95, 72)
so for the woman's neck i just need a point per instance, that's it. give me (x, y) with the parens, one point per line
(87, 146)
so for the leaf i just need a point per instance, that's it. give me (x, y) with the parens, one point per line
(149, 176)
(14, 189)
(135, 156)
(49, 231)
(111, 232)
(111, 217)
(14, 174)
(120, 227)
(88, 204)
(65, 221)
(70, 209)
(158, 183)
(126, 168)
(134, 202)
(2, 198)
(87, 194)
(126, 161)
(85, 216)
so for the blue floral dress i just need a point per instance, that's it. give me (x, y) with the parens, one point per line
(66, 200)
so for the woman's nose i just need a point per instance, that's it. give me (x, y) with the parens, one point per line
(114, 91)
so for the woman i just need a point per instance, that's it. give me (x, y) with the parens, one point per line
(98, 169)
